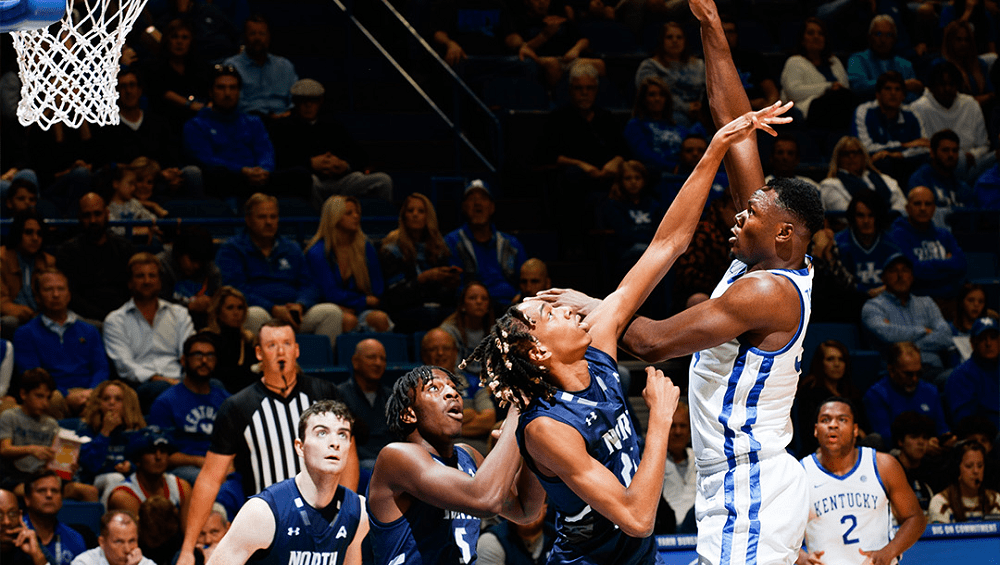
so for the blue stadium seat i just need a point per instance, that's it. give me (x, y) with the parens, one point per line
(315, 353)
(848, 334)
(83, 513)
(395, 347)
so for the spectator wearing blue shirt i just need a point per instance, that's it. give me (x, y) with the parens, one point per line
(941, 176)
(273, 275)
(485, 253)
(892, 134)
(267, 78)
(973, 388)
(863, 246)
(60, 342)
(864, 67)
(43, 499)
(188, 409)
(903, 391)
(938, 262)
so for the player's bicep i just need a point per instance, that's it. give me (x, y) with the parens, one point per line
(252, 529)
(901, 496)
(353, 556)
(412, 470)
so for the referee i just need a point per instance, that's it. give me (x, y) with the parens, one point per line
(255, 430)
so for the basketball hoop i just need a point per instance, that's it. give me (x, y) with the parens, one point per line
(69, 70)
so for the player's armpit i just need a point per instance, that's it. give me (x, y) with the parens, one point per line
(252, 529)
(353, 556)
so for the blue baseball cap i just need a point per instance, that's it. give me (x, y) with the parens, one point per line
(984, 324)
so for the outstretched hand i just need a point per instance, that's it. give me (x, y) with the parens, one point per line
(745, 125)
(575, 300)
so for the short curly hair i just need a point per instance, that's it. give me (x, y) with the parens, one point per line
(404, 391)
(801, 199)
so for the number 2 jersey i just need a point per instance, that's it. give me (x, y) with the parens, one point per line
(425, 534)
(599, 413)
(304, 535)
(849, 512)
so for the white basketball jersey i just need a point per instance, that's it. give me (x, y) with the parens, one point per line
(847, 513)
(740, 396)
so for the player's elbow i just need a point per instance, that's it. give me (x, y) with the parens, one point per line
(639, 527)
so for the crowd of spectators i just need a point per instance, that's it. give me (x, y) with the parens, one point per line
(142, 338)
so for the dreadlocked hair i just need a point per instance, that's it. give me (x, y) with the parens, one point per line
(404, 390)
(507, 367)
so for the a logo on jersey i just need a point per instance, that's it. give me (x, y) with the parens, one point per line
(590, 418)
(613, 438)
(341, 533)
(844, 501)
(293, 531)
(312, 557)
(798, 364)
(864, 478)
(201, 419)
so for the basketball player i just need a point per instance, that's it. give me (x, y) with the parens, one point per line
(426, 493)
(576, 432)
(747, 344)
(309, 518)
(852, 490)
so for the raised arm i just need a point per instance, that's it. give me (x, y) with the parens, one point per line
(252, 529)
(904, 506)
(727, 99)
(676, 229)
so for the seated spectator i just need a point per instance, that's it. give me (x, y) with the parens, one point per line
(785, 160)
(232, 148)
(420, 281)
(816, 80)
(118, 543)
(896, 316)
(21, 195)
(679, 491)
(20, 258)
(176, 80)
(6, 374)
(267, 78)
(534, 279)
(632, 213)
(147, 171)
(111, 416)
(865, 67)
(940, 175)
(864, 247)
(212, 533)
(26, 434)
(829, 376)
(652, 135)
(365, 396)
(479, 414)
(683, 73)
(758, 80)
(481, 28)
(145, 337)
(273, 275)
(911, 433)
(943, 107)
(324, 148)
(233, 343)
(973, 388)
(890, 132)
(42, 500)
(95, 263)
(852, 171)
(693, 148)
(971, 306)
(214, 30)
(18, 545)
(959, 48)
(187, 410)
(979, 14)
(901, 391)
(981, 429)
(967, 498)
(510, 542)
(546, 34)
(484, 253)
(345, 266)
(189, 274)
(938, 262)
(124, 207)
(470, 322)
(60, 342)
(149, 451)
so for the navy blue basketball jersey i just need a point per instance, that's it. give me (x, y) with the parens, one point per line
(427, 534)
(600, 415)
(304, 535)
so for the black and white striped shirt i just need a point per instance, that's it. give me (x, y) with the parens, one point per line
(259, 427)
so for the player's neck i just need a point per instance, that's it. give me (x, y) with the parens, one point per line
(573, 377)
(318, 489)
(441, 447)
(839, 462)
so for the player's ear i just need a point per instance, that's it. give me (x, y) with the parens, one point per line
(258, 352)
(816, 431)
(539, 353)
(785, 231)
(408, 416)
(298, 447)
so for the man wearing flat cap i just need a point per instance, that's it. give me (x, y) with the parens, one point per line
(325, 149)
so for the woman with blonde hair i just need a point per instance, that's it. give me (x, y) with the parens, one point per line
(345, 266)
(420, 282)
(234, 349)
(959, 48)
(851, 170)
(111, 414)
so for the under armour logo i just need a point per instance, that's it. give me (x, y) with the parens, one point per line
(591, 418)
(293, 531)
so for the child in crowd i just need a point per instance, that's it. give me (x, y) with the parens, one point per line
(124, 206)
(26, 434)
(911, 432)
(146, 173)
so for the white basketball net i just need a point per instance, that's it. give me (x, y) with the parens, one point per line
(69, 70)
